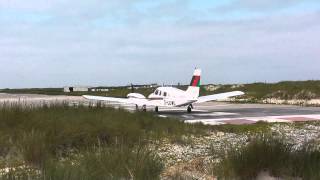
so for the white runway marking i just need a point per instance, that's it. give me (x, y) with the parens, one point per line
(187, 117)
(210, 106)
(205, 121)
(216, 114)
(171, 109)
(181, 109)
(284, 118)
(312, 116)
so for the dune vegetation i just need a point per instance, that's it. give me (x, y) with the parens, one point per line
(60, 141)
(278, 158)
(63, 142)
(254, 91)
(282, 90)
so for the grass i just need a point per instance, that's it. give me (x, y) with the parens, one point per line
(108, 163)
(259, 127)
(48, 91)
(282, 90)
(256, 91)
(63, 142)
(265, 153)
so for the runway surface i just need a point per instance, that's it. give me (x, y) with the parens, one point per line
(212, 113)
(215, 113)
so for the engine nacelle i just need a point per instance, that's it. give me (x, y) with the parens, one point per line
(136, 95)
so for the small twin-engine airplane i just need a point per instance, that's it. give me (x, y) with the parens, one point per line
(169, 96)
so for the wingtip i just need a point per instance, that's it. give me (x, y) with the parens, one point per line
(85, 96)
(239, 93)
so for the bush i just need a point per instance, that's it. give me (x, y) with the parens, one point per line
(33, 147)
(265, 153)
(120, 162)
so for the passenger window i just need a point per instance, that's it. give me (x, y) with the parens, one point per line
(165, 94)
(159, 93)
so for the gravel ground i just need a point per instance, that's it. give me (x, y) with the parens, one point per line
(195, 159)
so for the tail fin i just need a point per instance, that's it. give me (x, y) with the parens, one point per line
(194, 88)
(195, 82)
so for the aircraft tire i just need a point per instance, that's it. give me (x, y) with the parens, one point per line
(156, 109)
(144, 108)
(189, 109)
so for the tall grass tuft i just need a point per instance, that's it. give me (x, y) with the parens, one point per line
(107, 163)
(273, 155)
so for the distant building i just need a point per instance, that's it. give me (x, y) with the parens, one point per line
(153, 85)
(105, 89)
(212, 87)
(75, 89)
(99, 89)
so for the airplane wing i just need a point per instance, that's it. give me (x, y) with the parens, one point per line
(220, 96)
(109, 99)
(133, 101)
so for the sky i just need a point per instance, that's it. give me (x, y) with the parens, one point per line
(55, 43)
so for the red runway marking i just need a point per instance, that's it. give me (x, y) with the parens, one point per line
(297, 119)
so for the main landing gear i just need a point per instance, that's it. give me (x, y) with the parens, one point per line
(156, 109)
(190, 107)
(144, 108)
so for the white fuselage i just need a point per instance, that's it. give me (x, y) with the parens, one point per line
(170, 96)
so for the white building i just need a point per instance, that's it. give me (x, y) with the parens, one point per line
(99, 90)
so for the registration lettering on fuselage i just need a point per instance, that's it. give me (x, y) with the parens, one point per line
(169, 103)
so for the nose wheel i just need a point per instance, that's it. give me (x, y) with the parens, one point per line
(156, 109)
(144, 108)
(190, 107)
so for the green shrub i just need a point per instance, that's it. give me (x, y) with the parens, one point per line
(265, 153)
(33, 147)
(120, 162)
(259, 127)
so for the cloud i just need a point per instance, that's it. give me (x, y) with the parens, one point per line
(259, 6)
(30, 5)
(161, 42)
